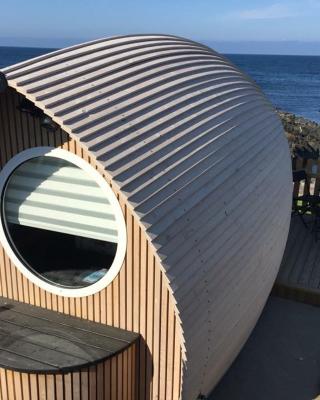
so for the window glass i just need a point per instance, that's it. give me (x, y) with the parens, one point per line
(59, 222)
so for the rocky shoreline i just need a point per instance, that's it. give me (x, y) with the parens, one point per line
(303, 135)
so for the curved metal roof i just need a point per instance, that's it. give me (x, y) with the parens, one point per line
(149, 108)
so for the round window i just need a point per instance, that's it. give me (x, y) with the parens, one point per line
(60, 222)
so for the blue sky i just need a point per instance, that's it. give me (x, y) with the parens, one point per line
(238, 26)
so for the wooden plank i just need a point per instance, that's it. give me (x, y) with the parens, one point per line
(119, 382)
(8, 143)
(76, 386)
(48, 300)
(150, 323)
(115, 301)
(8, 275)
(97, 312)
(3, 273)
(68, 385)
(3, 384)
(84, 385)
(114, 381)
(75, 325)
(20, 362)
(156, 332)
(26, 387)
(72, 304)
(136, 275)
(90, 308)
(20, 285)
(122, 278)
(17, 386)
(177, 370)
(135, 370)
(34, 387)
(3, 156)
(60, 304)
(59, 384)
(14, 281)
(143, 317)
(31, 291)
(109, 299)
(100, 381)
(78, 308)
(170, 351)
(163, 351)
(47, 341)
(129, 265)
(84, 307)
(50, 384)
(107, 379)
(42, 390)
(40, 344)
(57, 355)
(126, 369)
(130, 375)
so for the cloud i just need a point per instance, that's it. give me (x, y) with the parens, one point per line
(274, 11)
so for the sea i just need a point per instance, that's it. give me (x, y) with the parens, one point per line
(292, 83)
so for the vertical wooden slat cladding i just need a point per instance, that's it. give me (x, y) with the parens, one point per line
(95, 383)
(133, 301)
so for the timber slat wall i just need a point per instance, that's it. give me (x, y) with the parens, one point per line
(113, 379)
(124, 303)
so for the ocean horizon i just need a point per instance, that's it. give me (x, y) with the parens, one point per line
(291, 83)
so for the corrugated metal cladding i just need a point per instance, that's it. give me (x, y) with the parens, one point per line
(47, 193)
(202, 159)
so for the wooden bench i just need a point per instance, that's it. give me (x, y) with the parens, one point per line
(36, 340)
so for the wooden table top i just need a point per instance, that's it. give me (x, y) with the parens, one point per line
(36, 340)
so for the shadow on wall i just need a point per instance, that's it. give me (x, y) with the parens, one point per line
(24, 128)
(144, 371)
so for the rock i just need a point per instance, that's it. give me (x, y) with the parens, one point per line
(303, 135)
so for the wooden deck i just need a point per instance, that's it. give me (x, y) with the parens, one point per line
(299, 275)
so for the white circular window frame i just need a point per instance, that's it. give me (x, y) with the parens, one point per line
(113, 271)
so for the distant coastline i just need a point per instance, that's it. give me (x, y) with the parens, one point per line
(245, 47)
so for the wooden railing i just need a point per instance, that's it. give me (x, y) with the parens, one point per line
(312, 168)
